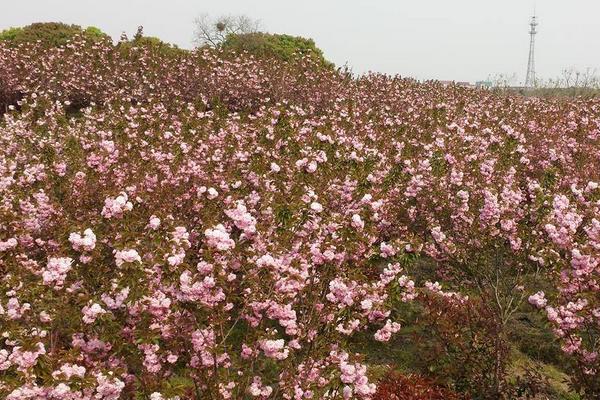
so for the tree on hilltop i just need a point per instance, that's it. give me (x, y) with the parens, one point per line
(213, 32)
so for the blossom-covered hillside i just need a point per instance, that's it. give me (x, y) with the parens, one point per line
(216, 226)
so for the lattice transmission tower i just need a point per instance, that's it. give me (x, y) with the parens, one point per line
(530, 77)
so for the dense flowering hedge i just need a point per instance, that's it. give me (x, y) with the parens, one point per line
(197, 225)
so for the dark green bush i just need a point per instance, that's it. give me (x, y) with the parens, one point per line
(154, 44)
(285, 47)
(52, 34)
(10, 34)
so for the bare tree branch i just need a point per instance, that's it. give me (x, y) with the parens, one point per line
(213, 31)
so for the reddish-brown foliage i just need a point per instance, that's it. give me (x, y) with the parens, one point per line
(396, 386)
(465, 346)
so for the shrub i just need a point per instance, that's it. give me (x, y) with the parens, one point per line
(396, 386)
(461, 343)
(10, 34)
(284, 47)
(52, 34)
(154, 45)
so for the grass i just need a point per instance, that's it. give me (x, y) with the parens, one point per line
(556, 379)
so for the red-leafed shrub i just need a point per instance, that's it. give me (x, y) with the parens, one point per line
(396, 386)
(463, 345)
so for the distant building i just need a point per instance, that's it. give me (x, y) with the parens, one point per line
(459, 83)
(483, 84)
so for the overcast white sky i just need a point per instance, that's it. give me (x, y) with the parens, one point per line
(464, 40)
